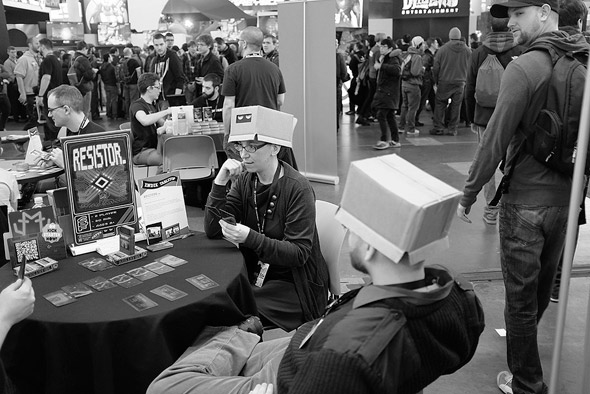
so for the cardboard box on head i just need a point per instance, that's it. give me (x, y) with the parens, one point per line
(262, 124)
(398, 208)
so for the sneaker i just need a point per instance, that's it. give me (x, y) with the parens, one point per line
(381, 145)
(504, 381)
(436, 132)
(362, 121)
(554, 299)
(490, 218)
(413, 132)
(394, 144)
(253, 325)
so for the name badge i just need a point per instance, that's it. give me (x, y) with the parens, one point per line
(261, 274)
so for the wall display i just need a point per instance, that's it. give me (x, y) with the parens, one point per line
(113, 34)
(268, 22)
(65, 32)
(349, 13)
(105, 11)
(430, 8)
(99, 171)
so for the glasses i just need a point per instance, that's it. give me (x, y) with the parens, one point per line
(159, 87)
(50, 110)
(248, 148)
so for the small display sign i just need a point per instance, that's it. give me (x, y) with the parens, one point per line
(99, 171)
(430, 8)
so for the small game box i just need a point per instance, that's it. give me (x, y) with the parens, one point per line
(38, 267)
(120, 258)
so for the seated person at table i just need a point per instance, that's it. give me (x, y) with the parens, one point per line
(211, 96)
(17, 301)
(274, 207)
(398, 334)
(145, 119)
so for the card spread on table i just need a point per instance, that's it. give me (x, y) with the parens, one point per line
(77, 290)
(125, 280)
(168, 292)
(99, 283)
(59, 298)
(158, 268)
(96, 264)
(172, 261)
(141, 273)
(140, 302)
(202, 282)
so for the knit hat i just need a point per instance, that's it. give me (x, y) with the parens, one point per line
(397, 208)
(262, 124)
(417, 41)
(501, 10)
(455, 34)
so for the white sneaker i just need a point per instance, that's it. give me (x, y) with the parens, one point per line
(413, 132)
(394, 144)
(381, 145)
(504, 381)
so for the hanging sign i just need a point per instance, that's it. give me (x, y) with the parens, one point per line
(430, 8)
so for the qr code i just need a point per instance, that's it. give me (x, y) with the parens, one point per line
(28, 248)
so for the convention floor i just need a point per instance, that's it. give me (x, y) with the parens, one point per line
(474, 251)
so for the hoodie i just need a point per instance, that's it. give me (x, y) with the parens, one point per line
(523, 93)
(500, 44)
(451, 62)
(416, 70)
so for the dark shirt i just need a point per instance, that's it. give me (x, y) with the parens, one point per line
(108, 74)
(132, 65)
(228, 54)
(254, 81)
(51, 66)
(90, 128)
(169, 69)
(216, 106)
(144, 137)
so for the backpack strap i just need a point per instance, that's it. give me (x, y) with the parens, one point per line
(504, 186)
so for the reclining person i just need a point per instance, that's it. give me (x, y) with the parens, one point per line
(396, 335)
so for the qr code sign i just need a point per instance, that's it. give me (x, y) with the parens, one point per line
(27, 248)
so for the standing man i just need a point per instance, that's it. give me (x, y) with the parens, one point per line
(50, 77)
(84, 75)
(451, 63)
(498, 42)
(130, 70)
(207, 62)
(225, 50)
(169, 40)
(189, 65)
(412, 72)
(386, 99)
(269, 47)
(27, 79)
(108, 76)
(427, 91)
(533, 215)
(17, 109)
(365, 113)
(253, 81)
(168, 67)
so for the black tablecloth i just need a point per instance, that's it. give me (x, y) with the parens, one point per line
(99, 344)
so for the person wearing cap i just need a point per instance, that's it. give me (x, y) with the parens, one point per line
(533, 215)
(274, 206)
(451, 63)
(412, 72)
(398, 334)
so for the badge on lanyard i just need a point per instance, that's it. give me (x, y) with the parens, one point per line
(261, 274)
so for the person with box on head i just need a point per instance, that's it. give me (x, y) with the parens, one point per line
(398, 334)
(274, 207)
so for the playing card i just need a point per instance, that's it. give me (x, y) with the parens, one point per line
(99, 283)
(59, 298)
(160, 246)
(96, 264)
(140, 302)
(77, 290)
(172, 261)
(202, 282)
(125, 280)
(168, 292)
(158, 268)
(141, 273)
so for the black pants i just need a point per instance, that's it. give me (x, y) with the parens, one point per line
(50, 130)
(31, 112)
(366, 108)
(386, 118)
(5, 108)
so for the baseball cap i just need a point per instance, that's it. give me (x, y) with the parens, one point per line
(417, 41)
(501, 10)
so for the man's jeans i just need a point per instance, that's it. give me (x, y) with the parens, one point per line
(531, 240)
(387, 119)
(224, 360)
(410, 104)
(444, 92)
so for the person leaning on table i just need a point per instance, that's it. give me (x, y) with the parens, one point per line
(274, 206)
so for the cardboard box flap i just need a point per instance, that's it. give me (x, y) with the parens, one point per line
(263, 124)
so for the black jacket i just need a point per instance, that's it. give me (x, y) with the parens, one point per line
(388, 80)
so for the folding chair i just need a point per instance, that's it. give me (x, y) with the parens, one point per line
(193, 156)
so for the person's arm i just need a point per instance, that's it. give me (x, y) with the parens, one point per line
(178, 75)
(470, 88)
(45, 80)
(228, 104)
(281, 99)
(17, 301)
(150, 119)
(21, 89)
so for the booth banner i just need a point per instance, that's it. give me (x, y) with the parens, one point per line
(430, 8)
(99, 171)
(162, 205)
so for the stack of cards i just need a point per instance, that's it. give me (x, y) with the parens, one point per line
(202, 282)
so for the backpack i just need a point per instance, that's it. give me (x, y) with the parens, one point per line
(83, 87)
(407, 68)
(363, 74)
(487, 85)
(123, 72)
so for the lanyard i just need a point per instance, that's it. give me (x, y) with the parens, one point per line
(85, 121)
(274, 180)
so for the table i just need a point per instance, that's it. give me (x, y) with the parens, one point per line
(99, 344)
(34, 174)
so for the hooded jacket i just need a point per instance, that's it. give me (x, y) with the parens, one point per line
(500, 44)
(416, 67)
(451, 62)
(169, 69)
(388, 81)
(523, 93)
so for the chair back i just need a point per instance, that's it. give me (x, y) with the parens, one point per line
(332, 235)
(125, 126)
(194, 156)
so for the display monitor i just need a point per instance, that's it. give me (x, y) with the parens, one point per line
(105, 11)
(65, 32)
(113, 34)
(349, 13)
